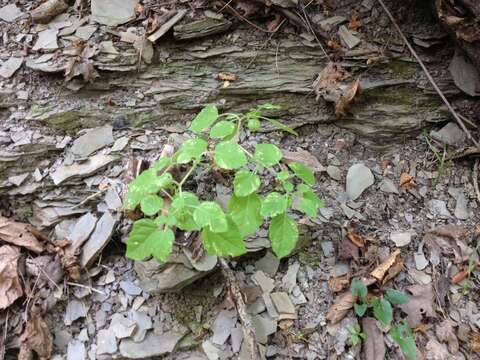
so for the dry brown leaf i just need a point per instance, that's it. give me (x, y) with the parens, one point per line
(394, 270)
(347, 250)
(374, 344)
(10, 286)
(19, 234)
(449, 239)
(328, 84)
(347, 99)
(354, 22)
(335, 46)
(475, 342)
(355, 238)
(226, 77)
(36, 338)
(460, 276)
(420, 304)
(381, 270)
(304, 157)
(446, 333)
(341, 307)
(337, 284)
(406, 181)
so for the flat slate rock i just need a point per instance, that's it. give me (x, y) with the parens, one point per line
(222, 326)
(113, 12)
(153, 345)
(10, 66)
(10, 13)
(359, 178)
(82, 230)
(76, 350)
(93, 140)
(106, 342)
(98, 240)
(75, 310)
(84, 168)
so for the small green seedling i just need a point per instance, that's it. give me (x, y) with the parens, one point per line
(383, 311)
(356, 334)
(215, 146)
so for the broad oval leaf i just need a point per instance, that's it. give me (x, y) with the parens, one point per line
(229, 155)
(210, 214)
(228, 243)
(191, 149)
(182, 208)
(283, 234)
(358, 288)
(382, 310)
(303, 172)
(138, 247)
(403, 335)
(245, 213)
(267, 154)
(161, 163)
(274, 204)
(360, 309)
(310, 203)
(245, 183)
(396, 297)
(151, 204)
(148, 182)
(204, 119)
(222, 129)
(161, 243)
(253, 124)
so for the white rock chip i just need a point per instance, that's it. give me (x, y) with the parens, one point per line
(359, 178)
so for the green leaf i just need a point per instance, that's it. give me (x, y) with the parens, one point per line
(151, 204)
(288, 186)
(229, 155)
(283, 175)
(161, 163)
(191, 149)
(160, 220)
(267, 154)
(245, 183)
(245, 213)
(148, 182)
(161, 243)
(273, 204)
(396, 297)
(204, 119)
(283, 234)
(222, 129)
(281, 126)
(382, 310)
(268, 106)
(182, 208)
(360, 309)
(228, 243)
(403, 336)
(210, 214)
(147, 239)
(310, 203)
(253, 124)
(358, 289)
(303, 172)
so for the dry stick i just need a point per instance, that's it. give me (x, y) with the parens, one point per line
(430, 78)
(475, 180)
(248, 329)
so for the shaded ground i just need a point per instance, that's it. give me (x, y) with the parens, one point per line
(150, 108)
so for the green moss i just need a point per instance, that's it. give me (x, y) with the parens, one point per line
(402, 69)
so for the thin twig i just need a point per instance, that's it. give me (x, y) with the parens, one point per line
(427, 73)
(248, 329)
(88, 198)
(475, 180)
(86, 287)
(265, 43)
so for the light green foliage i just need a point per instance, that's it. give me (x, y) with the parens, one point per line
(356, 335)
(383, 311)
(403, 336)
(222, 232)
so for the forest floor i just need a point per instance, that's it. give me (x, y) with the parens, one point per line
(85, 107)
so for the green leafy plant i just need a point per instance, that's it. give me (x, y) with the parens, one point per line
(356, 334)
(440, 156)
(383, 311)
(215, 147)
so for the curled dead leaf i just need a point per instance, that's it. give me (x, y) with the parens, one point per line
(304, 157)
(337, 284)
(36, 338)
(355, 238)
(354, 22)
(341, 307)
(348, 98)
(374, 344)
(420, 304)
(381, 270)
(10, 286)
(406, 181)
(19, 234)
(449, 239)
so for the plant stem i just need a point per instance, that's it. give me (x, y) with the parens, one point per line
(187, 175)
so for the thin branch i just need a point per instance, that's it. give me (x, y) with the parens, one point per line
(429, 76)
(248, 329)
